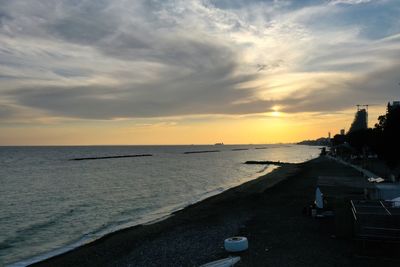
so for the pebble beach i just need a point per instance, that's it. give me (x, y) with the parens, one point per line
(268, 211)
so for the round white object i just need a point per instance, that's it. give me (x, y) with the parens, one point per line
(236, 244)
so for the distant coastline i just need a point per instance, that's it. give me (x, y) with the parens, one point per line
(317, 142)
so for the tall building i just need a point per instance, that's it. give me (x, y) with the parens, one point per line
(395, 104)
(360, 121)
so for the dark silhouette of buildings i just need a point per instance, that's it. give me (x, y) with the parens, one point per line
(360, 120)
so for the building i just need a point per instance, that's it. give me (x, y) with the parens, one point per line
(396, 104)
(360, 120)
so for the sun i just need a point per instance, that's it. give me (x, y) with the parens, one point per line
(275, 111)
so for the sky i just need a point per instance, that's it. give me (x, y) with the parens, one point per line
(192, 71)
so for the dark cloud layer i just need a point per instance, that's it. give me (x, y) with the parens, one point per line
(193, 98)
(183, 97)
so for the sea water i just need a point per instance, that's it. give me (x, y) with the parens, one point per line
(50, 203)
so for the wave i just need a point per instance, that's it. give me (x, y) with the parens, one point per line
(154, 217)
(29, 230)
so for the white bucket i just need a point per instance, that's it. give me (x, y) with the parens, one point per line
(236, 244)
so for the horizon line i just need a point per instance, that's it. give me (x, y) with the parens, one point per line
(66, 145)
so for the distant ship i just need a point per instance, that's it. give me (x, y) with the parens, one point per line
(219, 144)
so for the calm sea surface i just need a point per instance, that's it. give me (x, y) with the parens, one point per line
(49, 204)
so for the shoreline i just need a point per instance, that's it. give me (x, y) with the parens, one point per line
(151, 219)
(267, 210)
(246, 188)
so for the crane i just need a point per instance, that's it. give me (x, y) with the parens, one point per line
(359, 106)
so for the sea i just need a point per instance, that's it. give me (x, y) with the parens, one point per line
(50, 204)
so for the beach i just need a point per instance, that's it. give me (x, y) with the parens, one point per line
(267, 210)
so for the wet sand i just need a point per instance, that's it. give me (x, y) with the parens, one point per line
(268, 211)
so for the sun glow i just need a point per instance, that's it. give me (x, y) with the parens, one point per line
(275, 111)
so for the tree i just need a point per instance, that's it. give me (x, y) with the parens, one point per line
(361, 139)
(387, 132)
(338, 139)
(384, 139)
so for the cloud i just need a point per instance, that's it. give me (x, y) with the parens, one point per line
(349, 2)
(182, 97)
(375, 87)
(130, 59)
(5, 111)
